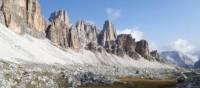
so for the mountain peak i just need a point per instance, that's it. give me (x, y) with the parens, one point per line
(108, 33)
(59, 16)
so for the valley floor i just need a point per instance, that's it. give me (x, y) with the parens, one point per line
(29, 75)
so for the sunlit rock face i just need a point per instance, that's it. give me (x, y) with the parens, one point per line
(23, 16)
(127, 45)
(108, 33)
(87, 32)
(74, 42)
(126, 42)
(58, 30)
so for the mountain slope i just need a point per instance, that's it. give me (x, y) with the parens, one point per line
(17, 48)
(197, 64)
(177, 58)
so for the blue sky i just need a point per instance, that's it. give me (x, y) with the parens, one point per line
(161, 21)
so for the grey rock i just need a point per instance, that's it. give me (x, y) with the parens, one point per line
(181, 78)
(92, 46)
(142, 47)
(192, 81)
(88, 78)
(155, 55)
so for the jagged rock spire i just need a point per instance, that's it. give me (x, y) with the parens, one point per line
(59, 16)
(58, 30)
(86, 32)
(108, 33)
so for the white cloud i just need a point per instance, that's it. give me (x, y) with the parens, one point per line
(113, 13)
(135, 32)
(153, 46)
(183, 46)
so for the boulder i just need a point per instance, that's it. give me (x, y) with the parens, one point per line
(107, 34)
(58, 30)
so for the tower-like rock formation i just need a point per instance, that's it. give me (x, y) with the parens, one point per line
(87, 32)
(58, 30)
(108, 33)
(126, 44)
(142, 47)
(74, 42)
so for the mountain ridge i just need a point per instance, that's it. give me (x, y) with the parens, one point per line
(65, 35)
(177, 58)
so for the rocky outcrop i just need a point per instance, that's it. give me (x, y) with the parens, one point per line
(87, 33)
(107, 34)
(126, 44)
(23, 16)
(188, 80)
(155, 55)
(58, 30)
(142, 47)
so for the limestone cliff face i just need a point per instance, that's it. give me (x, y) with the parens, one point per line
(142, 47)
(58, 30)
(23, 16)
(86, 32)
(126, 42)
(34, 16)
(107, 34)
(74, 42)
